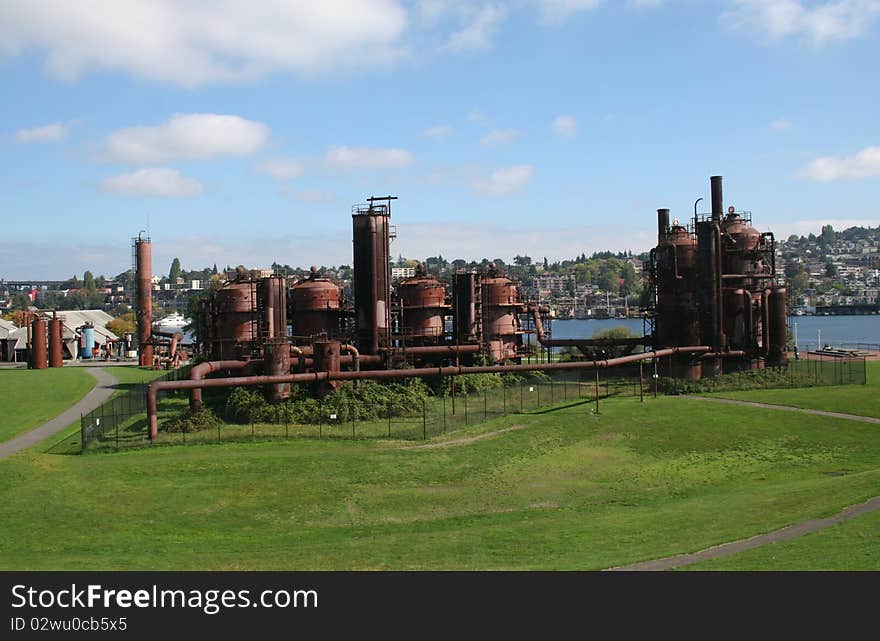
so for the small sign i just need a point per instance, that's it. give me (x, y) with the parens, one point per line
(531, 389)
(97, 421)
(333, 417)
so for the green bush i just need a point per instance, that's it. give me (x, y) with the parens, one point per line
(192, 421)
(749, 379)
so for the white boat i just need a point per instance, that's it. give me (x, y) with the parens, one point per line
(171, 323)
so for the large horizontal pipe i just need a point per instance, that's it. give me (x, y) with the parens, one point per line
(435, 349)
(731, 276)
(425, 372)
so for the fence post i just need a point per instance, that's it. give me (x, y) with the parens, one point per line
(286, 426)
(641, 390)
(465, 409)
(218, 431)
(424, 421)
(389, 422)
(444, 414)
(82, 432)
(253, 435)
(521, 385)
(597, 390)
(485, 392)
(351, 411)
(504, 399)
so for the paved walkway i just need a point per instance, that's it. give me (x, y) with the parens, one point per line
(100, 393)
(786, 408)
(726, 549)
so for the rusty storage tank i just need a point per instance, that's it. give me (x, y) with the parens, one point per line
(272, 307)
(778, 332)
(315, 307)
(143, 251)
(500, 304)
(466, 304)
(423, 306)
(235, 320)
(372, 273)
(740, 247)
(56, 344)
(677, 317)
(38, 355)
(277, 363)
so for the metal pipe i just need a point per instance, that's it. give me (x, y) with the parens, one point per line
(662, 224)
(389, 374)
(144, 295)
(427, 350)
(200, 371)
(355, 355)
(56, 355)
(717, 198)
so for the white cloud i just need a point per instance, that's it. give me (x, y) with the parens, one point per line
(197, 43)
(503, 181)
(158, 181)
(280, 168)
(478, 116)
(499, 137)
(47, 133)
(556, 11)
(477, 33)
(198, 136)
(865, 164)
(438, 132)
(818, 23)
(315, 196)
(565, 125)
(780, 125)
(367, 158)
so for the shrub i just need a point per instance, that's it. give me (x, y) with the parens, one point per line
(192, 421)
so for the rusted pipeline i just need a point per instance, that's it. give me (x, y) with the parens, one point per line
(535, 311)
(355, 355)
(200, 371)
(426, 372)
(427, 350)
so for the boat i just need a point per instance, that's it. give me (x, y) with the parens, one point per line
(171, 323)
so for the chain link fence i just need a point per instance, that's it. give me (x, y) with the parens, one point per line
(121, 423)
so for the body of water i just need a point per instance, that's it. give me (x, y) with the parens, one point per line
(834, 330)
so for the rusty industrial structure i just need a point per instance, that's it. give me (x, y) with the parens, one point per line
(714, 282)
(715, 306)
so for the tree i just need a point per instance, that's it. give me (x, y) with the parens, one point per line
(174, 274)
(123, 324)
(89, 281)
(214, 271)
(828, 236)
(522, 261)
(830, 269)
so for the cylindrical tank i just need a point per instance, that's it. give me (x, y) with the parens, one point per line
(144, 296)
(236, 324)
(677, 319)
(56, 346)
(88, 341)
(778, 327)
(314, 307)
(39, 358)
(372, 276)
(662, 224)
(272, 293)
(466, 298)
(741, 241)
(326, 355)
(500, 321)
(423, 305)
(717, 188)
(277, 362)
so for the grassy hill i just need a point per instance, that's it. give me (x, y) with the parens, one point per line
(566, 489)
(30, 397)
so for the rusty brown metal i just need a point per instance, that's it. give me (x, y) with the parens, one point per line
(778, 333)
(39, 352)
(327, 360)
(235, 326)
(200, 371)
(272, 305)
(56, 344)
(423, 307)
(717, 189)
(372, 273)
(277, 362)
(466, 326)
(500, 307)
(327, 376)
(315, 307)
(144, 296)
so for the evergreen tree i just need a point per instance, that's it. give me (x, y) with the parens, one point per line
(174, 274)
(89, 281)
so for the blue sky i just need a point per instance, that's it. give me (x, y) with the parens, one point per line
(243, 132)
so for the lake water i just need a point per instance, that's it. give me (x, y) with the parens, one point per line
(835, 330)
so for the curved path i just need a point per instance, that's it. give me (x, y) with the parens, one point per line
(99, 394)
(785, 408)
(783, 534)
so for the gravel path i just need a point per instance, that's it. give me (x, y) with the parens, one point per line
(463, 441)
(100, 393)
(726, 549)
(786, 408)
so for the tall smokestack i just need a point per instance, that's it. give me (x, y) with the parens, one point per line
(717, 198)
(144, 305)
(662, 223)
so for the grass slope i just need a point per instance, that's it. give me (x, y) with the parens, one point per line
(850, 399)
(29, 397)
(851, 545)
(568, 491)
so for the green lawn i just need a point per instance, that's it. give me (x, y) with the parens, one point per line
(130, 375)
(569, 490)
(850, 399)
(30, 397)
(851, 545)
